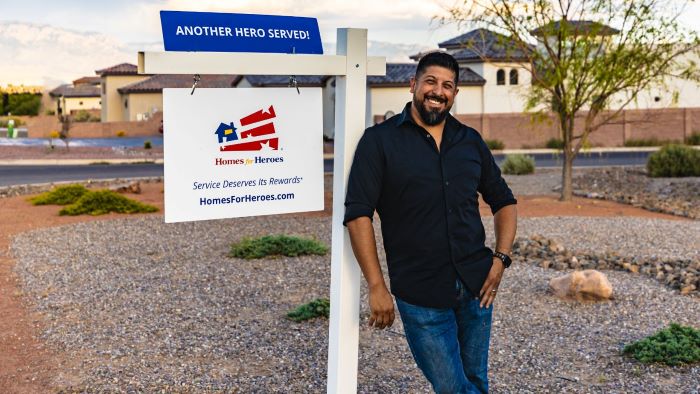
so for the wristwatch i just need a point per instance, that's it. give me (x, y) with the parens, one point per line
(504, 258)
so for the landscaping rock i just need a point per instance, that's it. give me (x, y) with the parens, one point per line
(588, 285)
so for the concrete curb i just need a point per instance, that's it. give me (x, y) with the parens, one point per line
(73, 162)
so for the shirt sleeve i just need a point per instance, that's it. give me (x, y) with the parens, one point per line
(365, 180)
(492, 186)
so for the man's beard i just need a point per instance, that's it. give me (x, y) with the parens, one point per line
(431, 117)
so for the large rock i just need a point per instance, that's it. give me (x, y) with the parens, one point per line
(588, 285)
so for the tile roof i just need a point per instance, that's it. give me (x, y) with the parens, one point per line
(68, 90)
(119, 69)
(88, 81)
(483, 44)
(578, 27)
(399, 74)
(283, 80)
(156, 83)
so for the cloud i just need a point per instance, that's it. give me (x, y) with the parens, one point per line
(47, 55)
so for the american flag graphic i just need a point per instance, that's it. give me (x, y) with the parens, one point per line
(256, 132)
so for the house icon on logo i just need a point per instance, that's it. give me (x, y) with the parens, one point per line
(226, 133)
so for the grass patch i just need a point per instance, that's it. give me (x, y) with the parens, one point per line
(672, 346)
(276, 245)
(62, 195)
(320, 307)
(105, 201)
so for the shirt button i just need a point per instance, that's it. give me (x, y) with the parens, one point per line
(447, 183)
(449, 210)
(427, 136)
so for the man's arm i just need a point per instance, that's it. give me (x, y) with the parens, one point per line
(365, 248)
(505, 223)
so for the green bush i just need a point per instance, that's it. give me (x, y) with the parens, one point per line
(495, 144)
(147, 144)
(61, 195)
(674, 161)
(694, 139)
(672, 346)
(85, 116)
(518, 164)
(23, 104)
(554, 143)
(105, 201)
(320, 307)
(275, 245)
(648, 142)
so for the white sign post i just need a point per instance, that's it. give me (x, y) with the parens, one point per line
(351, 66)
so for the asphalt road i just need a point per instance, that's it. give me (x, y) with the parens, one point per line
(19, 175)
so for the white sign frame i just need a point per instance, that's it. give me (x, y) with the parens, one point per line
(351, 65)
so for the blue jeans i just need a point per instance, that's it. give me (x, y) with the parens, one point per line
(450, 346)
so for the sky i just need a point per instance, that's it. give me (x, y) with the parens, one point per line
(53, 42)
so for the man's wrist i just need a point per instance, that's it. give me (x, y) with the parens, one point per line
(505, 259)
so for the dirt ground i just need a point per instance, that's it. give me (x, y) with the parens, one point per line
(27, 365)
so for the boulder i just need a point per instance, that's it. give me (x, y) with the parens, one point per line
(588, 285)
(133, 188)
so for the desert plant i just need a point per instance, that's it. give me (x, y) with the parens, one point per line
(554, 143)
(320, 307)
(147, 144)
(672, 346)
(653, 141)
(494, 144)
(61, 195)
(85, 116)
(518, 164)
(121, 133)
(693, 139)
(674, 161)
(271, 245)
(105, 201)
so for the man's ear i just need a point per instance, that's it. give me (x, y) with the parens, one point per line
(413, 85)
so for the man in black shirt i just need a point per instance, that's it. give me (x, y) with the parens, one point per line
(421, 171)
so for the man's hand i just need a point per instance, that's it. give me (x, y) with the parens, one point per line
(381, 305)
(490, 287)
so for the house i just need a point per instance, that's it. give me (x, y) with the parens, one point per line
(111, 80)
(226, 133)
(141, 99)
(82, 94)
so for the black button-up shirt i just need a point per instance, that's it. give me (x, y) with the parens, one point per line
(428, 205)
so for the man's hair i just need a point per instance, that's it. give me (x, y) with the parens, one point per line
(440, 59)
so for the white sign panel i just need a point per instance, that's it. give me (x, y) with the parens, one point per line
(242, 152)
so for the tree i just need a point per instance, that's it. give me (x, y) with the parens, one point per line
(588, 58)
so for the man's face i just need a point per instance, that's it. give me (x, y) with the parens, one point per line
(434, 94)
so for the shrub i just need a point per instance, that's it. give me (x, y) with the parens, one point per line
(271, 245)
(61, 195)
(147, 144)
(121, 133)
(518, 164)
(693, 139)
(554, 143)
(674, 161)
(105, 201)
(495, 144)
(672, 346)
(23, 104)
(648, 142)
(320, 307)
(85, 116)
(18, 122)
(50, 112)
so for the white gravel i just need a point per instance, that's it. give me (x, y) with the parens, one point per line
(143, 306)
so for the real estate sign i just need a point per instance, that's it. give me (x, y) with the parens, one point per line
(242, 152)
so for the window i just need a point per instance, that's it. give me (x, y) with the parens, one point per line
(126, 103)
(80, 103)
(104, 88)
(500, 77)
(513, 77)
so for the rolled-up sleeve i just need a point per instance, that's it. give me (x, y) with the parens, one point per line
(493, 188)
(365, 181)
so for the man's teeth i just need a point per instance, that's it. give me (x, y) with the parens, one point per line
(435, 101)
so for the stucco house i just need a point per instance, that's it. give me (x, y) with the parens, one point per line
(82, 94)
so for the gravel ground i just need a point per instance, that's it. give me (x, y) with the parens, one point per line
(145, 306)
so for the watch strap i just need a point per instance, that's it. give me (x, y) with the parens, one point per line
(504, 258)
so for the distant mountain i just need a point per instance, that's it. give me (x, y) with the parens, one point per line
(46, 55)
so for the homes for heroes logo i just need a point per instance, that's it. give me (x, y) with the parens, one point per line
(255, 132)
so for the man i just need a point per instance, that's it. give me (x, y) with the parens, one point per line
(421, 171)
